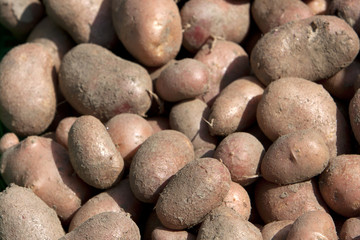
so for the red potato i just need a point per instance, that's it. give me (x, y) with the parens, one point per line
(276, 203)
(62, 130)
(339, 185)
(161, 156)
(27, 91)
(7, 141)
(234, 109)
(238, 199)
(196, 189)
(226, 60)
(241, 153)
(43, 165)
(116, 199)
(128, 131)
(86, 21)
(277, 230)
(270, 14)
(149, 30)
(183, 79)
(349, 10)
(93, 154)
(350, 230)
(201, 20)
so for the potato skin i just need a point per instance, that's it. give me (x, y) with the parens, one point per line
(62, 130)
(150, 30)
(161, 156)
(349, 10)
(37, 221)
(87, 84)
(339, 185)
(162, 233)
(7, 141)
(354, 110)
(295, 157)
(93, 154)
(27, 92)
(350, 229)
(235, 107)
(277, 230)
(289, 49)
(238, 199)
(199, 187)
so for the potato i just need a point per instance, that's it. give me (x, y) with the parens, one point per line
(162, 233)
(313, 225)
(188, 117)
(43, 165)
(106, 225)
(128, 131)
(354, 109)
(241, 153)
(20, 17)
(152, 223)
(7, 141)
(196, 189)
(159, 123)
(53, 38)
(224, 223)
(26, 216)
(235, 108)
(226, 61)
(201, 20)
(276, 203)
(339, 185)
(295, 157)
(238, 199)
(62, 130)
(349, 10)
(289, 49)
(116, 199)
(318, 7)
(184, 79)
(87, 84)
(27, 92)
(86, 21)
(350, 229)
(271, 14)
(150, 30)
(292, 104)
(93, 154)
(161, 156)
(277, 230)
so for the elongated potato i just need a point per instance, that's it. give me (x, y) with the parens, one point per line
(149, 29)
(97, 82)
(161, 156)
(27, 91)
(93, 154)
(192, 193)
(289, 49)
(25, 216)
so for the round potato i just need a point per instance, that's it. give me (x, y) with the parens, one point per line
(238, 199)
(350, 230)
(7, 141)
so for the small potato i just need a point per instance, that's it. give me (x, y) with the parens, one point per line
(93, 154)
(86, 21)
(238, 199)
(295, 157)
(270, 14)
(203, 19)
(350, 230)
(226, 61)
(20, 17)
(128, 131)
(96, 82)
(235, 108)
(106, 225)
(188, 117)
(241, 153)
(183, 79)
(116, 199)
(25, 216)
(150, 29)
(349, 10)
(62, 130)
(199, 187)
(300, 49)
(7, 141)
(224, 223)
(276, 203)
(277, 230)
(340, 186)
(162, 233)
(313, 225)
(161, 156)
(318, 7)
(27, 91)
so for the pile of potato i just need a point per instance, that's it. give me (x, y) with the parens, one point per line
(197, 119)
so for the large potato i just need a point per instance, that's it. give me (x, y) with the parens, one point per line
(97, 82)
(27, 91)
(300, 49)
(149, 29)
